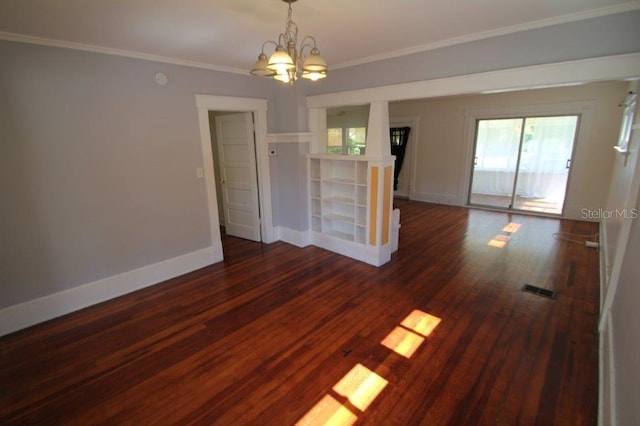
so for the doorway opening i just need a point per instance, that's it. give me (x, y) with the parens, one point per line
(523, 163)
(236, 176)
(404, 181)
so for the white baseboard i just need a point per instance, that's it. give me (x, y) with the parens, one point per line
(35, 311)
(376, 256)
(435, 198)
(291, 236)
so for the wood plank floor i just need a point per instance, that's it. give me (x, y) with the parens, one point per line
(277, 334)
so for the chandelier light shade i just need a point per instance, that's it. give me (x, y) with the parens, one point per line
(288, 61)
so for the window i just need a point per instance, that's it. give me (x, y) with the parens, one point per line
(346, 140)
(347, 129)
(523, 163)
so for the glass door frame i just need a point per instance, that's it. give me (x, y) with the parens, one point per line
(514, 194)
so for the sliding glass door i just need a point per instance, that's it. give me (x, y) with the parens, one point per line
(523, 163)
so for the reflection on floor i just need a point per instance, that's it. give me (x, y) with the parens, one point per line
(547, 205)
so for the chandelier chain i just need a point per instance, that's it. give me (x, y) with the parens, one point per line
(291, 31)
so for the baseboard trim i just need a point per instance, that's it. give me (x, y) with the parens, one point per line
(291, 236)
(435, 198)
(23, 315)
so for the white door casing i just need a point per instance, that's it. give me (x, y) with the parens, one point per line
(239, 182)
(258, 107)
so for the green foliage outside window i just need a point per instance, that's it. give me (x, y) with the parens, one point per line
(347, 140)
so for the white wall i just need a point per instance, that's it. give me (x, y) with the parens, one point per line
(444, 144)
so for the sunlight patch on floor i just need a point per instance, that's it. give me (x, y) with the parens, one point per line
(403, 342)
(361, 386)
(503, 239)
(328, 411)
(421, 322)
(511, 227)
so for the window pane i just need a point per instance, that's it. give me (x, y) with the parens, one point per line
(334, 137)
(334, 141)
(356, 141)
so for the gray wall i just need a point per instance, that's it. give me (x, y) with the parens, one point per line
(97, 165)
(623, 333)
(288, 168)
(608, 35)
(289, 185)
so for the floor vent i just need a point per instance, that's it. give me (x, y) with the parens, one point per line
(543, 292)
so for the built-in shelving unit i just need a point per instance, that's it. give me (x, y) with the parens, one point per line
(339, 196)
(351, 196)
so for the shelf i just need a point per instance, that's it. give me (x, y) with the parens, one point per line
(339, 218)
(343, 181)
(341, 200)
(341, 235)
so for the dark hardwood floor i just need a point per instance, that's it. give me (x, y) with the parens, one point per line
(277, 334)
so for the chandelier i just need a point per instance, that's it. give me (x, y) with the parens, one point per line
(288, 62)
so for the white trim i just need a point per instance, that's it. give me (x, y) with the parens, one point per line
(318, 125)
(289, 137)
(556, 20)
(258, 107)
(376, 256)
(21, 38)
(607, 375)
(604, 262)
(29, 313)
(617, 67)
(291, 236)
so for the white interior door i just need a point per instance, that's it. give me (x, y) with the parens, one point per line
(239, 181)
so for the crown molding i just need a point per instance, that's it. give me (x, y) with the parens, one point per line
(562, 19)
(21, 38)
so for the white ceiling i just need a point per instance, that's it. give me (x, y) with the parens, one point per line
(228, 34)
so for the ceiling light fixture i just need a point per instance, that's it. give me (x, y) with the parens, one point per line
(288, 62)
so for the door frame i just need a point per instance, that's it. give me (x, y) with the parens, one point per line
(584, 110)
(258, 107)
(516, 171)
(411, 121)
